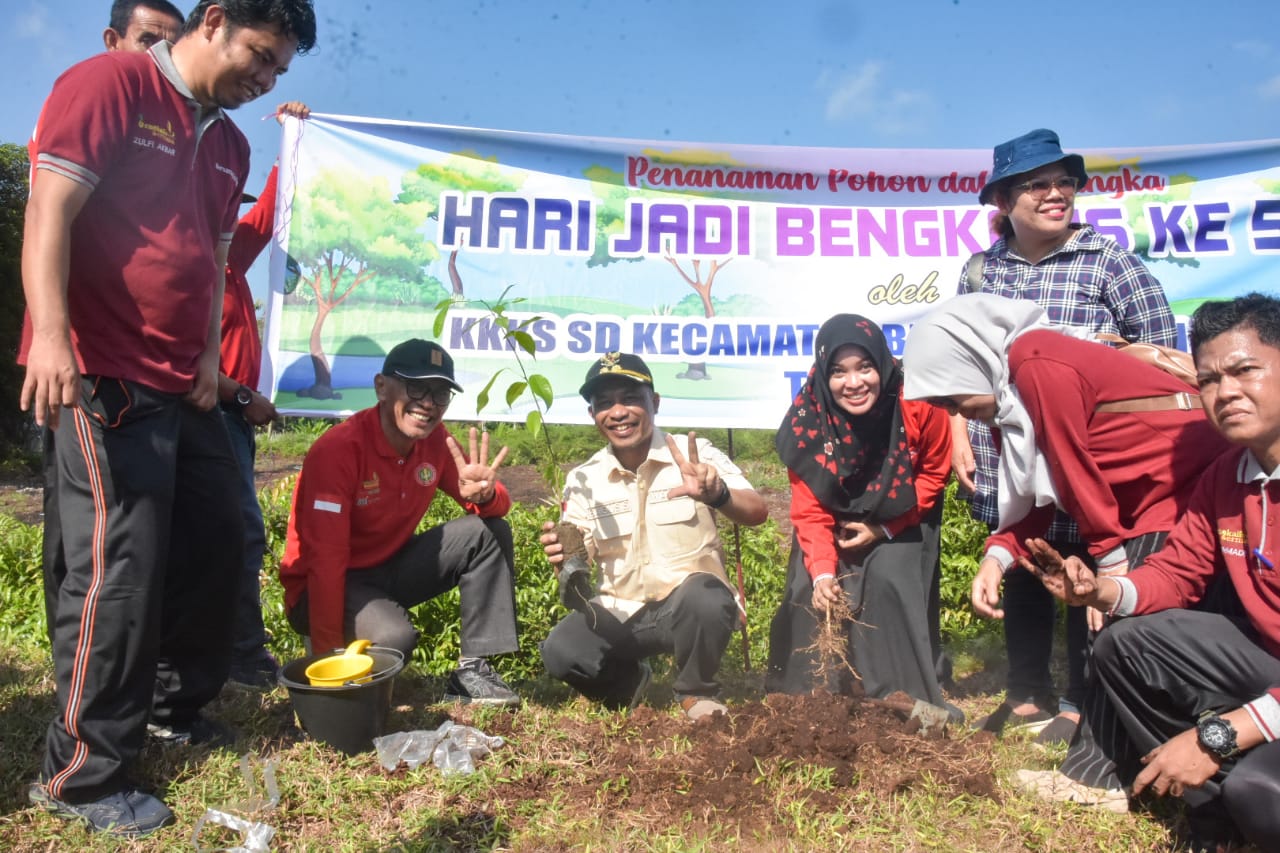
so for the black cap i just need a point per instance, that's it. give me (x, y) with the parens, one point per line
(610, 364)
(419, 359)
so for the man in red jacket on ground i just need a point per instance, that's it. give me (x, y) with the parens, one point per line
(353, 563)
(1187, 702)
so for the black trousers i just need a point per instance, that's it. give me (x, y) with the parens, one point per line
(598, 655)
(1030, 617)
(150, 539)
(1157, 673)
(892, 592)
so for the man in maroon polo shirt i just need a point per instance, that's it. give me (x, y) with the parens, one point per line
(137, 180)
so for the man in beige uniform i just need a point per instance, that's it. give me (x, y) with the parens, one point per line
(647, 513)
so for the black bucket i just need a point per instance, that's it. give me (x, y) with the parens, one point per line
(348, 717)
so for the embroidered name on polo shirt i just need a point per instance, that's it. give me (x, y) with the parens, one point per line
(1233, 536)
(610, 509)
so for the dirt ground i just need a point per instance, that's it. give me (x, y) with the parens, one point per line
(717, 775)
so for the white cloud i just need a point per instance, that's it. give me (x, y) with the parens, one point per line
(1270, 88)
(33, 23)
(1252, 47)
(865, 94)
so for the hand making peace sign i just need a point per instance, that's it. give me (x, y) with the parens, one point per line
(701, 481)
(476, 479)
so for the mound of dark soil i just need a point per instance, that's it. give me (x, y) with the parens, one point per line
(653, 767)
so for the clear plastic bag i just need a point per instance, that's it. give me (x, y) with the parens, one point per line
(255, 836)
(452, 748)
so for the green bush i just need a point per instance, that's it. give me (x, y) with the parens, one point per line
(962, 540)
(16, 429)
(764, 553)
(764, 575)
(22, 622)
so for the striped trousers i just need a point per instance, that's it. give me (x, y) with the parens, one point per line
(150, 536)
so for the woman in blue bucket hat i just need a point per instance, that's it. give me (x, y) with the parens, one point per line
(1081, 279)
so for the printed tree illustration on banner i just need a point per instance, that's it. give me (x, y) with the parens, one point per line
(612, 195)
(348, 229)
(465, 172)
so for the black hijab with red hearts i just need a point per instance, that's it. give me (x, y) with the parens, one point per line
(859, 467)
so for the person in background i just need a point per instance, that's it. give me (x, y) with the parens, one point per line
(353, 562)
(867, 472)
(245, 408)
(122, 270)
(1186, 701)
(137, 24)
(647, 515)
(1082, 279)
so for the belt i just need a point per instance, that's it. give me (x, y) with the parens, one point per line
(1183, 401)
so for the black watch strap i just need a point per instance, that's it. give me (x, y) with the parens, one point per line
(244, 396)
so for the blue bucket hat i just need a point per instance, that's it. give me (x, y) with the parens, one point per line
(1027, 153)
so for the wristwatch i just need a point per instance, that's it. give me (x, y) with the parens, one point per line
(243, 396)
(1217, 735)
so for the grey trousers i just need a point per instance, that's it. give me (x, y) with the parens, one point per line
(600, 656)
(474, 554)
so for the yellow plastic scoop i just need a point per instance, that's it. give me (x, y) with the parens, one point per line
(353, 665)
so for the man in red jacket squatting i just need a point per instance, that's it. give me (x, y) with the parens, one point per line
(1187, 703)
(353, 564)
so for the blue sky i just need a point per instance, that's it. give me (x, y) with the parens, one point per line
(909, 73)
(901, 74)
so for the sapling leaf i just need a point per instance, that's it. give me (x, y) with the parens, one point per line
(541, 387)
(514, 390)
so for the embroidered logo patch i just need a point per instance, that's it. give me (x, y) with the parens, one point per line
(163, 132)
(426, 474)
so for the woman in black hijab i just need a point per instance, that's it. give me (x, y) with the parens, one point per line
(867, 474)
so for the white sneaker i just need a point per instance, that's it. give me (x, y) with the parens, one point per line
(1055, 787)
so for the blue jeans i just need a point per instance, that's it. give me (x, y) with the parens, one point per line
(248, 635)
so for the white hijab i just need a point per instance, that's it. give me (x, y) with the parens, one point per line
(963, 348)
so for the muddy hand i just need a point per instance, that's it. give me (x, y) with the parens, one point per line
(1068, 578)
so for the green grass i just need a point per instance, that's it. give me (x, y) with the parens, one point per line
(335, 803)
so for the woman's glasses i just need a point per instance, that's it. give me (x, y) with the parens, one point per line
(1041, 187)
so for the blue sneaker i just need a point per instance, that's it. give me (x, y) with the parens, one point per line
(130, 813)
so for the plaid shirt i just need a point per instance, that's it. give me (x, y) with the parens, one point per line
(1088, 282)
